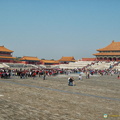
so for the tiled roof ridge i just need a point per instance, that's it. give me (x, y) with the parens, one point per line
(2, 48)
(67, 58)
(50, 61)
(7, 57)
(113, 46)
(110, 53)
(30, 56)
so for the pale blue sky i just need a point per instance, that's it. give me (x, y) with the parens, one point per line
(51, 29)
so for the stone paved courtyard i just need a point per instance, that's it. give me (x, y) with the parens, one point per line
(53, 99)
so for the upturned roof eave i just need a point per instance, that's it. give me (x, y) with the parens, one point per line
(4, 49)
(7, 57)
(107, 50)
(29, 60)
(97, 54)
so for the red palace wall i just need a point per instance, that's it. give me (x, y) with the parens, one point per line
(6, 61)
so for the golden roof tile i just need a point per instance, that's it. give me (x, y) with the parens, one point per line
(88, 59)
(3, 49)
(7, 57)
(50, 61)
(114, 46)
(110, 53)
(29, 58)
(67, 59)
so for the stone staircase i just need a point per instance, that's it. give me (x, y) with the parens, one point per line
(75, 65)
(103, 65)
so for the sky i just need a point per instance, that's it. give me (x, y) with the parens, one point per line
(51, 29)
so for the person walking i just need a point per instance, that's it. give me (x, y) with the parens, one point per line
(44, 75)
(34, 75)
(80, 77)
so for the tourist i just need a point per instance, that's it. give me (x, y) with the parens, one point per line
(80, 77)
(22, 75)
(44, 75)
(71, 81)
(87, 74)
(34, 75)
(118, 77)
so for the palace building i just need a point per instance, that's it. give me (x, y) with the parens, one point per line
(88, 59)
(30, 60)
(50, 62)
(109, 53)
(6, 55)
(66, 60)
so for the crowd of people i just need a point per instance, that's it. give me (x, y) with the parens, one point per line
(5, 73)
(26, 73)
(31, 72)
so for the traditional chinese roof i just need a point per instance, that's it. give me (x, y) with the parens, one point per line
(88, 59)
(50, 61)
(29, 58)
(114, 46)
(7, 57)
(110, 53)
(3, 49)
(67, 59)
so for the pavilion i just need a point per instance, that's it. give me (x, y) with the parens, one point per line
(30, 60)
(109, 53)
(6, 55)
(88, 59)
(66, 60)
(49, 62)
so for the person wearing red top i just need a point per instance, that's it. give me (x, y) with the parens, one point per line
(34, 75)
(0, 74)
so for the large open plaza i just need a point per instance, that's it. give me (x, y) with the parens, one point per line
(59, 59)
(53, 99)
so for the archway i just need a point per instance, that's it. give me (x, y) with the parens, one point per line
(119, 58)
(114, 59)
(101, 58)
(105, 58)
(110, 59)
